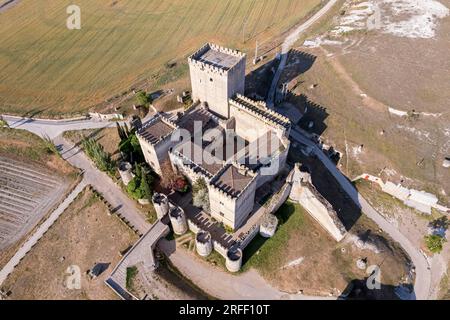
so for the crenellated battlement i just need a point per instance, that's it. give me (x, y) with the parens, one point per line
(157, 129)
(216, 59)
(223, 187)
(259, 110)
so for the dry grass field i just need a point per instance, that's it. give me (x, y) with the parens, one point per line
(46, 67)
(303, 257)
(83, 236)
(363, 74)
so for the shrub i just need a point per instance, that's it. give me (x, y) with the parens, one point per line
(49, 144)
(434, 242)
(140, 187)
(142, 98)
(200, 194)
(101, 158)
(180, 184)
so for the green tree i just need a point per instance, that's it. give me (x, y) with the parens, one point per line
(101, 158)
(134, 188)
(3, 123)
(142, 98)
(138, 170)
(126, 130)
(135, 143)
(121, 132)
(434, 242)
(200, 194)
(145, 186)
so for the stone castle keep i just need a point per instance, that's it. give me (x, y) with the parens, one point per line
(217, 74)
(242, 146)
(218, 82)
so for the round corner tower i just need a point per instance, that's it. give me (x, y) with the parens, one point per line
(161, 204)
(125, 171)
(234, 259)
(178, 220)
(203, 243)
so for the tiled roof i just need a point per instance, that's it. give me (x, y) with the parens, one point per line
(155, 130)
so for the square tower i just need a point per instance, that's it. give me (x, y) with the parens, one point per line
(217, 74)
(232, 194)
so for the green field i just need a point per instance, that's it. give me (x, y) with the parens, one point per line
(46, 67)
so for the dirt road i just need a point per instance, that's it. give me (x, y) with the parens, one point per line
(423, 273)
(289, 42)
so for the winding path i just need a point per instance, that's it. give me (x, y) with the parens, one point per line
(289, 42)
(115, 196)
(422, 283)
(422, 286)
(54, 128)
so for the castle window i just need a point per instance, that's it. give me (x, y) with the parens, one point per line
(211, 79)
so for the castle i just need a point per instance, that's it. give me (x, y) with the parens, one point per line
(242, 145)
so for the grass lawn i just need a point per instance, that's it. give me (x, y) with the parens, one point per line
(301, 256)
(49, 69)
(265, 254)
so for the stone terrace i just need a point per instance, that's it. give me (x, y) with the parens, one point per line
(27, 193)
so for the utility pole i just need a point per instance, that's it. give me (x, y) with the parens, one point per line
(255, 61)
(243, 30)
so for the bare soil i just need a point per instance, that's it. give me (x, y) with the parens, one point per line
(29, 149)
(107, 137)
(83, 236)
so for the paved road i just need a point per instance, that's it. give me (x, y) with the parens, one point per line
(222, 285)
(422, 284)
(54, 128)
(42, 229)
(288, 43)
(101, 182)
(126, 206)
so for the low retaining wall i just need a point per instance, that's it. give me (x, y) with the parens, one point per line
(249, 237)
(216, 245)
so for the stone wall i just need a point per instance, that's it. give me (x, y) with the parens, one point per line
(249, 237)
(315, 204)
(216, 245)
(279, 198)
(214, 86)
